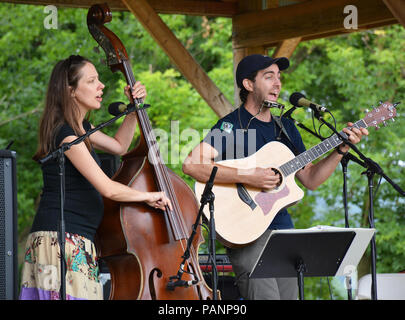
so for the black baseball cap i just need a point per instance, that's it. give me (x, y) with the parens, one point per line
(256, 62)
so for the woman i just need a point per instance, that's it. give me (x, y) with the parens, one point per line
(74, 89)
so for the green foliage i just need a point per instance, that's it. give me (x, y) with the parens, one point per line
(348, 74)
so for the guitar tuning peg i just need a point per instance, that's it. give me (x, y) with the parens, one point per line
(392, 119)
(376, 128)
(380, 102)
(367, 111)
(384, 124)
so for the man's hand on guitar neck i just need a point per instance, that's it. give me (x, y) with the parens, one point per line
(354, 136)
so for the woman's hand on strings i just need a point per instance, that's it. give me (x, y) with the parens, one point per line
(158, 200)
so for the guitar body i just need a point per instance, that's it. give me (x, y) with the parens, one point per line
(238, 223)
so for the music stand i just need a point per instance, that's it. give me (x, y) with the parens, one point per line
(316, 252)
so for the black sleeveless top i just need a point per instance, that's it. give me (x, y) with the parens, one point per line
(83, 203)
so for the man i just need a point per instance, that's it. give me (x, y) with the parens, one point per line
(258, 77)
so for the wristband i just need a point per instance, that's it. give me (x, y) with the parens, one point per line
(341, 152)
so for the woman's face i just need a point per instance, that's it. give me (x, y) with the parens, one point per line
(89, 89)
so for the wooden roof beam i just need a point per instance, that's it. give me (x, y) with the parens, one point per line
(397, 7)
(309, 20)
(286, 48)
(225, 8)
(179, 56)
(240, 52)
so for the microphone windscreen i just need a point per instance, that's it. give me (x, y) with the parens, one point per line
(116, 108)
(295, 97)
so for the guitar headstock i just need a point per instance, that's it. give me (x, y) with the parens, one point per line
(385, 111)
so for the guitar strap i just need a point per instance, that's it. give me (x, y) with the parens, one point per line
(283, 130)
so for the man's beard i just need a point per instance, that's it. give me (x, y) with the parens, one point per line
(258, 99)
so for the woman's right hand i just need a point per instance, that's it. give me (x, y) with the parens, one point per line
(138, 91)
(158, 200)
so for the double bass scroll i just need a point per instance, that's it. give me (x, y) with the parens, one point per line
(143, 246)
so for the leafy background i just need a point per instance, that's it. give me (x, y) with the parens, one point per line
(348, 74)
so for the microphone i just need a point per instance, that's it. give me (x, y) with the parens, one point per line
(180, 283)
(207, 195)
(210, 181)
(116, 108)
(299, 100)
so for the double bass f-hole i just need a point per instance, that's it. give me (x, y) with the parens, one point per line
(142, 246)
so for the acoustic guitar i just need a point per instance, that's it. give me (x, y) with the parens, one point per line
(242, 213)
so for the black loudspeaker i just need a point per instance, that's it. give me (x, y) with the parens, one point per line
(8, 226)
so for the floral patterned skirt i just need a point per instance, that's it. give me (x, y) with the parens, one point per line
(41, 270)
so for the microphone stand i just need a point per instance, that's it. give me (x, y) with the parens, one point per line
(59, 155)
(302, 126)
(344, 162)
(206, 197)
(372, 169)
(210, 197)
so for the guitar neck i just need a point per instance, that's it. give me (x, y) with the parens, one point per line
(317, 151)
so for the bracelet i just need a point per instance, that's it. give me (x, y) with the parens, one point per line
(341, 152)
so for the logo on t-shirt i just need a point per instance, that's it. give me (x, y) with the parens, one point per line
(227, 127)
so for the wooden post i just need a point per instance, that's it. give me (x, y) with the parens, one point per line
(240, 53)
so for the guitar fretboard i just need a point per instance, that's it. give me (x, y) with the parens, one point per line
(317, 151)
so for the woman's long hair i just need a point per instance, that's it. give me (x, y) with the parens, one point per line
(60, 107)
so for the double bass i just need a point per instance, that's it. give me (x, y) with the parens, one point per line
(143, 247)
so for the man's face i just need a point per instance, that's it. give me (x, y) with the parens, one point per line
(267, 85)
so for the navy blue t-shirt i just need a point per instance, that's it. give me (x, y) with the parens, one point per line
(231, 141)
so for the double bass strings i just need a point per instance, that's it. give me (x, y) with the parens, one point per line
(165, 185)
(163, 181)
(179, 227)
